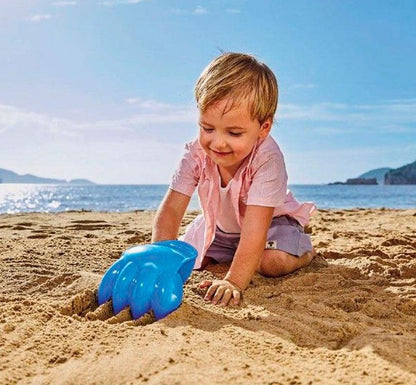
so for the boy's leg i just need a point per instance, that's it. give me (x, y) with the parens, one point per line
(287, 249)
(222, 249)
(207, 261)
(275, 263)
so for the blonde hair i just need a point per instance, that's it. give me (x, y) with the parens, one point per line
(241, 77)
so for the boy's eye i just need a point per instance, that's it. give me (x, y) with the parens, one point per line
(207, 129)
(235, 133)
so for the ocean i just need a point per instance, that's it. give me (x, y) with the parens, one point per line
(20, 198)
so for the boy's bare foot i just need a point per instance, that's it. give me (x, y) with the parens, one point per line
(319, 261)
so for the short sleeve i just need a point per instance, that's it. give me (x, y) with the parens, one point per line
(269, 182)
(186, 177)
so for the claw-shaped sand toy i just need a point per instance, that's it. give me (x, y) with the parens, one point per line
(148, 277)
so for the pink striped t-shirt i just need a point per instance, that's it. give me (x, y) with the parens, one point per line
(261, 180)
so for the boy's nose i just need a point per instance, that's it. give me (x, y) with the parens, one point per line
(219, 143)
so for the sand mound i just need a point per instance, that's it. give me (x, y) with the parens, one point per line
(350, 317)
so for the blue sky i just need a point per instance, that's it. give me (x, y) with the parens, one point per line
(104, 89)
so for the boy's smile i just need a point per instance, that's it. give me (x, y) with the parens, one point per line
(221, 153)
(228, 136)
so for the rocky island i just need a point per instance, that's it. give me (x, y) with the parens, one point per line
(402, 175)
(356, 181)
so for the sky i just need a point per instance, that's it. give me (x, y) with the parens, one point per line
(103, 90)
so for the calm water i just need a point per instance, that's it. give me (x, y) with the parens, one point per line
(17, 198)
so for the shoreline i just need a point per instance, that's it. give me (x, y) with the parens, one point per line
(113, 198)
(348, 317)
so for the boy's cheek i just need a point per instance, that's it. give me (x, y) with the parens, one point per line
(203, 143)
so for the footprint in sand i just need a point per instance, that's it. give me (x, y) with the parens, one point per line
(87, 221)
(139, 239)
(24, 224)
(137, 236)
(19, 227)
(40, 235)
(97, 226)
(399, 241)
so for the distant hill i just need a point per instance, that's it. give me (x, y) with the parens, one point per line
(402, 175)
(377, 173)
(7, 176)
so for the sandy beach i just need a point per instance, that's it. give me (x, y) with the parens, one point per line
(348, 318)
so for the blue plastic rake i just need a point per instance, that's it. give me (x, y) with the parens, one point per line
(148, 277)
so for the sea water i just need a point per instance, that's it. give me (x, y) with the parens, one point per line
(19, 198)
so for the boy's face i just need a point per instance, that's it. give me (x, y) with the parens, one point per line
(228, 138)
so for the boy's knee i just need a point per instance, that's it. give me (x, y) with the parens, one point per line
(274, 264)
(277, 263)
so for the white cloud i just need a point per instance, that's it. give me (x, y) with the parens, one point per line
(391, 116)
(199, 10)
(326, 118)
(319, 111)
(149, 104)
(148, 138)
(64, 3)
(40, 17)
(111, 3)
(13, 118)
(145, 113)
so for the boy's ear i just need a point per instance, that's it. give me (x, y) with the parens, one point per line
(265, 128)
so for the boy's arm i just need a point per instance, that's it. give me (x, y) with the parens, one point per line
(247, 257)
(250, 249)
(169, 216)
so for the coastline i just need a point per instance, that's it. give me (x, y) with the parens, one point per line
(348, 317)
(15, 198)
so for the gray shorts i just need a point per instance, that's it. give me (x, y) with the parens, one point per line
(285, 233)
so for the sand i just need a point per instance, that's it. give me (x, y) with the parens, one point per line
(348, 318)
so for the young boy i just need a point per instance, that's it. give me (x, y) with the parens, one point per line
(249, 218)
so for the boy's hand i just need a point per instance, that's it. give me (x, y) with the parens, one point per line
(221, 292)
